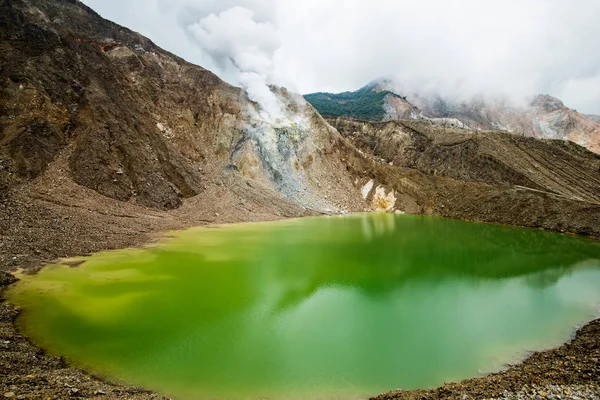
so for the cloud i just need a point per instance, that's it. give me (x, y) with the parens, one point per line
(244, 53)
(459, 48)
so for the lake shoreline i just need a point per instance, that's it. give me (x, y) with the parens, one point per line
(28, 373)
(573, 367)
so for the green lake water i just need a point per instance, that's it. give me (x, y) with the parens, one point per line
(332, 307)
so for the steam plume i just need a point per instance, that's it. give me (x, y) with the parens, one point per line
(245, 48)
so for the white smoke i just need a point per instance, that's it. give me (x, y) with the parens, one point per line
(243, 48)
(241, 44)
(456, 49)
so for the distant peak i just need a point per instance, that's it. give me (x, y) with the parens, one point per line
(378, 85)
(547, 102)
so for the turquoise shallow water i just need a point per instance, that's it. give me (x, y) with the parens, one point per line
(315, 308)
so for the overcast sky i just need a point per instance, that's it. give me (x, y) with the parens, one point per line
(456, 48)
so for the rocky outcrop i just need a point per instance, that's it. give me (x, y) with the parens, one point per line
(64, 88)
(547, 103)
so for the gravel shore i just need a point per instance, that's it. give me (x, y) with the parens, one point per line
(555, 392)
(571, 371)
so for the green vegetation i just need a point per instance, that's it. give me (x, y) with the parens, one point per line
(364, 103)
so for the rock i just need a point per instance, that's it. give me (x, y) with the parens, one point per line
(9, 395)
(6, 279)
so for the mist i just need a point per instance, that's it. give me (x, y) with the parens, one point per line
(454, 49)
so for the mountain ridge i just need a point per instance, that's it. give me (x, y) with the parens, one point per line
(544, 117)
(365, 102)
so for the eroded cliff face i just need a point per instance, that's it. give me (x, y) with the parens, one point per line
(493, 158)
(417, 167)
(74, 82)
(295, 156)
(142, 125)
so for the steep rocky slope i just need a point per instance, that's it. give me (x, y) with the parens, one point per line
(107, 140)
(544, 117)
(139, 124)
(487, 176)
(558, 167)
